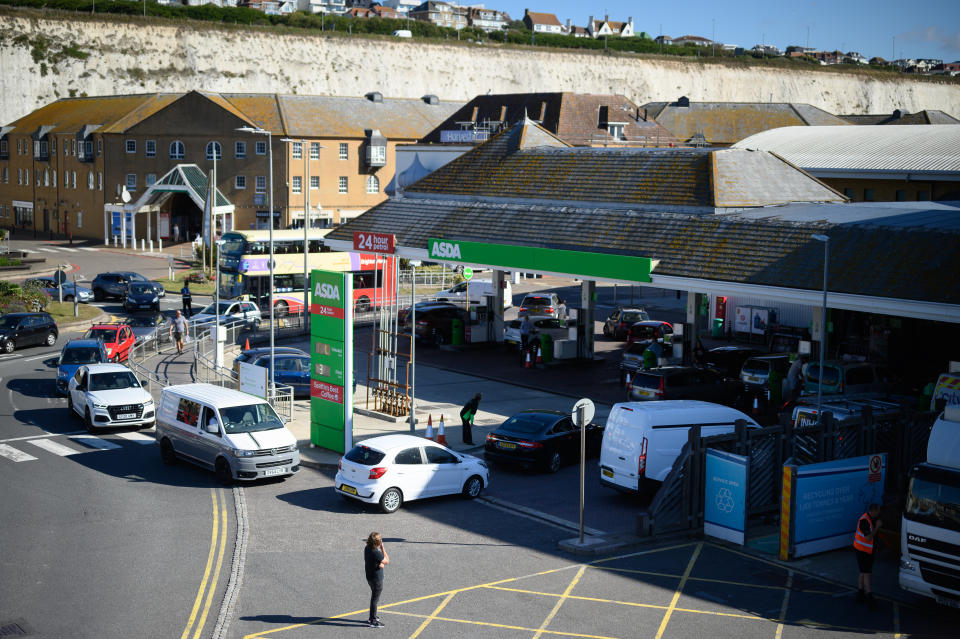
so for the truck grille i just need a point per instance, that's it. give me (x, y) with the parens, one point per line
(282, 462)
(940, 575)
(136, 409)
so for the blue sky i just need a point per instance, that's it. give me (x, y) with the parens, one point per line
(917, 29)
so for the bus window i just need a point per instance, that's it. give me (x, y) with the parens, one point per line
(363, 279)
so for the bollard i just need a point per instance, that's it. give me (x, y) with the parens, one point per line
(160, 243)
(143, 245)
(116, 239)
(151, 246)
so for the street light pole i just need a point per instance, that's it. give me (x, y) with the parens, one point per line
(823, 323)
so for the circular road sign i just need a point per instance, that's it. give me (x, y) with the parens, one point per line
(588, 411)
(60, 277)
(467, 273)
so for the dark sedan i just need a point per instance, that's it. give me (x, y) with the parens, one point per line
(728, 360)
(141, 296)
(540, 438)
(683, 382)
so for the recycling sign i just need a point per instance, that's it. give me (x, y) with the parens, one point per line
(725, 493)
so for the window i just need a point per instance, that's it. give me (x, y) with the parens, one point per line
(298, 150)
(848, 193)
(20, 176)
(99, 181)
(261, 185)
(922, 196)
(176, 150)
(213, 151)
(6, 175)
(26, 176)
(314, 150)
(131, 146)
(131, 181)
(37, 175)
(151, 179)
(53, 146)
(314, 182)
(19, 152)
(240, 182)
(46, 177)
(342, 184)
(54, 180)
(99, 146)
(90, 180)
(66, 179)
(868, 195)
(79, 219)
(297, 184)
(373, 184)
(4, 147)
(408, 456)
(261, 147)
(188, 412)
(73, 175)
(437, 455)
(88, 149)
(616, 131)
(150, 148)
(73, 147)
(901, 195)
(343, 150)
(240, 150)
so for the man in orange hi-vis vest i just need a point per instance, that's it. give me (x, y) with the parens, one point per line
(865, 547)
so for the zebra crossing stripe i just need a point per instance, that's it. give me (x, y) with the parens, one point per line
(13, 454)
(95, 442)
(88, 248)
(138, 437)
(54, 447)
(46, 250)
(68, 250)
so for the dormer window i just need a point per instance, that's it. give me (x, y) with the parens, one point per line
(615, 129)
(376, 148)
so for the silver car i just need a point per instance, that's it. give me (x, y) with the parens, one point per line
(548, 304)
(70, 290)
(230, 312)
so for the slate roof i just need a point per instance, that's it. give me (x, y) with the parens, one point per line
(574, 117)
(725, 123)
(928, 116)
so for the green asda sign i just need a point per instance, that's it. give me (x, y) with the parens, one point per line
(331, 360)
(528, 258)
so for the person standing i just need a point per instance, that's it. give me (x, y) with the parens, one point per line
(865, 546)
(526, 329)
(187, 299)
(467, 413)
(699, 354)
(178, 327)
(794, 383)
(374, 559)
(176, 233)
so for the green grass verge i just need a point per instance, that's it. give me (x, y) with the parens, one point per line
(63, 311)
(174, 286)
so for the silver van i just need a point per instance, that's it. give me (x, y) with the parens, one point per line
(236, 435)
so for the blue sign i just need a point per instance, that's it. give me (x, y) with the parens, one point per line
(830, 497)
(725, 496)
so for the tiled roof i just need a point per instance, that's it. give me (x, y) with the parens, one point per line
(69, 115)
(725, 123)
(543, 18)
(929, 116)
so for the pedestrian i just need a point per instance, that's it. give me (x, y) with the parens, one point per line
(865, 546)
(526, 329)
(467, 413)
(187, 299)
(178, 327)
(795, 377)
(657, 348)
(699, 354)
(176, 233)
(374, 559)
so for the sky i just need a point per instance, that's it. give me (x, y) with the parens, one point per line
(914, 29)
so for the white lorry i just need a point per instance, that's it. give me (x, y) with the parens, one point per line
(930, 530)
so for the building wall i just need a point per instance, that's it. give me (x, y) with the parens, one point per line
(895, 190)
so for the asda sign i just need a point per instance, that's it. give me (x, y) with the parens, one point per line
(530, 258)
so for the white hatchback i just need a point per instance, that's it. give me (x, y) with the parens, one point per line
(395, 468)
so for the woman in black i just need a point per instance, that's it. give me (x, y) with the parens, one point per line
(374, 559)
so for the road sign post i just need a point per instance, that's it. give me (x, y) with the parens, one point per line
(583, 412)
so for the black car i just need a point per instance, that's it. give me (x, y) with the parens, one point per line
(115, 284)
(141, 296)
(27, 329)
(434, 321)
(728, 360)
(619, 322)
(540, 438)
(683, 382)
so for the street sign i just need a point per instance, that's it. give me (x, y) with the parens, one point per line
(588, 412)
(467, 273)
(374, 242)
(60, 277)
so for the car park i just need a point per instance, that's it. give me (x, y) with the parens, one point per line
(394, 469)
(555, 328)
(435, 321)
(148, 327)
(647, 331)
(756, 371)
(253, 355)
(848, 378)
(117, 339)
(107, 395)
(115, 284)
(543, 439)
(728, 360)
(27, 329)
(141, 296)
(70, 290)
(235, 434)
(73, 355)
(230, 312)
(549, 304)
(619, 322)
(683, 382)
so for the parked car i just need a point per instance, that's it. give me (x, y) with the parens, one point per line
(632, 360)
(392, 469)
(149, 326)
(115, 284)
(548, 304)
(756, 371)
(117, 339)
(253, 355)
(292, 369)
(109, 395)
(647, 331)
(27, 329)
(141, 296)
(848, 378)
(231, 312)
(70, 290)
(620, 321)
(434, 321)
(683, 382)
(555, 328)
(73, 355)
(728, 360)
(540, 438)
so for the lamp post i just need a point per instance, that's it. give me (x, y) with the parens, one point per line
(218, 352)
(262, 131)
(823, 322)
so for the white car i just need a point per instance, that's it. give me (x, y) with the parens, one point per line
(231, 312)
(555, 328)
(395, 468)
(107, 395)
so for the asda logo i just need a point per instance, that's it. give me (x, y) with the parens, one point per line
(327, 292)
(445, 250)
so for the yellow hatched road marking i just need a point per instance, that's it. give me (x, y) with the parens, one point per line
(563, 597)
(896, 620)
(206, 573)
(216, 573)
(433, 615)
(676, 594)
(783, 606)
(500, 625)
(726, 582)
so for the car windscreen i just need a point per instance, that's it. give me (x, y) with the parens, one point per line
(108, 335)
(756, 367)
(524, 424)
(115, 380)
(9, 322)
(139, 288)
(934, 501)
(634, 316)
(249, 419)
(364, 455)
(78, 356)
(146, 320)
(831, 374)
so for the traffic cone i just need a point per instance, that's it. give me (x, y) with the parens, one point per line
(429, 434)
(756, 406)
(627, 380)
(246, 346)
(539, 357)
(526, 362)
(441, 436)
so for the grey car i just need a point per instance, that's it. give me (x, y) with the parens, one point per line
(70, 290)
(148, 327)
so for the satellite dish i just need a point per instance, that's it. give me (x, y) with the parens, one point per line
(125, 195)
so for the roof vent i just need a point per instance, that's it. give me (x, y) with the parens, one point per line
(374, 96)
(899, 113)
(684, 101)
(431, 99)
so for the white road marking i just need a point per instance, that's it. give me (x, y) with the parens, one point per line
(95, 442)
(46, 250)
(68, 250)
(13, 454)
(88, 248)
(20, 439)
(53, 447)
(30, 359)
(138, 437)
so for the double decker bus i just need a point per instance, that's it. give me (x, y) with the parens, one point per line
(245, 269)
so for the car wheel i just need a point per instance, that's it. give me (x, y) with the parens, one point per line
(88, 420)
(8, 346)
(224, 475)
(553, 462)
(472, 488)
(606, 331)
(70, 403)
(167, 455)
(363, 304)
(98, 294)
(51, 338)
(281, 309)
(391, 500)
(68, 298)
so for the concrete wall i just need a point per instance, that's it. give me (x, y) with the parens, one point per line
(134, 57)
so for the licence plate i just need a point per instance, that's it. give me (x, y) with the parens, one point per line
(947, 601)
(348, 489)
(127, 416)
(144, 306)
(643, 392)
(607, 472)
(507, 445)
(751, 379)
(270, 472)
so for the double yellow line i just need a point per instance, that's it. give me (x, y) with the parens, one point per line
(211, 574)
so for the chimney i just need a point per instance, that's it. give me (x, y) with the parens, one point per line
(374, 96)
(568, 25)
(606, 17)
(431, 99)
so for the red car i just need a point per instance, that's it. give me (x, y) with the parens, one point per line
(117, 339)
(649, 330)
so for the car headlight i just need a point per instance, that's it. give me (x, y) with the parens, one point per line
(243, 453)
(148, 403)
(155, 298)
(97, 404)
(109, 352)
(906, 564)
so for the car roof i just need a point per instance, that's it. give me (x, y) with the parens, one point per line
(217, 396)
(23, 314)
(734, 348)
(389, 443)
(82, 343)
(277, 349)
(106, 368)
(772, 356)
(109, 325)
(544, 412)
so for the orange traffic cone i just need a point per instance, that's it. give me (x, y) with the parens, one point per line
(429, 434)
(539, 357)
(627, 380)
(756, 406)
(246, 346)
(441, 436)
(526, 361)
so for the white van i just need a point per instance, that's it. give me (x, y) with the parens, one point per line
(479, 290)
(402, 33)
(236, 435)
(642, 439)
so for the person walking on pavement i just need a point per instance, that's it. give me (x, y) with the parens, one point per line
(865, 545)
(467, 413)
(178, 327)
(187, 299)
(374, 559)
